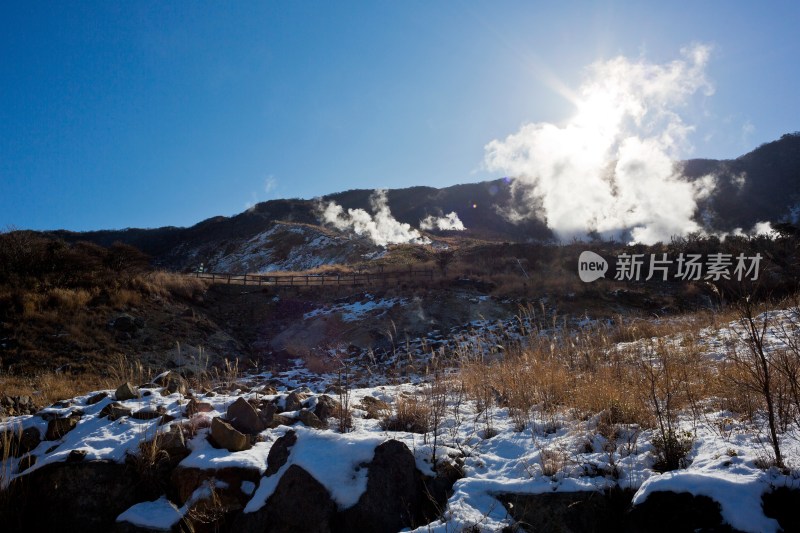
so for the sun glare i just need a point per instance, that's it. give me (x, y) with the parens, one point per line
(597, 110)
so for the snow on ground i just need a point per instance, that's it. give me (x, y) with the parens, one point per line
(259, 253)
(352, 312)
(558, 453)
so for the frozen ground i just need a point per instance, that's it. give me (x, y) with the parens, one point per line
(556, 453)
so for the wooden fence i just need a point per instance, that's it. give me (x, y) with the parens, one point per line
(317, 280)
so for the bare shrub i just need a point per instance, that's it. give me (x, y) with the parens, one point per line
(552, 461)
(756, 365)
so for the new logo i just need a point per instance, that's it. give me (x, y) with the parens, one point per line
(591, 266)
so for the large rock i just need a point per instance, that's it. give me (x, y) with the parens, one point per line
(224, 435)
(244, 417)
(670, 511)
(84, 496)
(58, 427)
(299, 503)
(566, 512)
(279, 453)
(126, 391)
(395, 497)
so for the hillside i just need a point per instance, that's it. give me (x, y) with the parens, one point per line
(763, 185)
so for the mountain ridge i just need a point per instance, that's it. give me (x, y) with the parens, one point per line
(762, 185)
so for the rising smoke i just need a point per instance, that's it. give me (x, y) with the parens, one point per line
(449, 222)
(381, 227)
(610, 170)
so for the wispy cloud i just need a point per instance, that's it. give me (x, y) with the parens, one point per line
(270, 184)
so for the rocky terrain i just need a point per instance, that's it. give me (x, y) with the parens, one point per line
(363, 448)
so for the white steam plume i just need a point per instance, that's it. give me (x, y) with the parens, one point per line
(449, 222)
(382, 228)
(611, 169)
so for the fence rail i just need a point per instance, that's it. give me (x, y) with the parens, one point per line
(316, 280)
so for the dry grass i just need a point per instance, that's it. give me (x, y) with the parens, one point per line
(122, 370)
(587, 372)
(164, 284)
(122, 299)
(70, 299)
(49, 387)
(411, 413)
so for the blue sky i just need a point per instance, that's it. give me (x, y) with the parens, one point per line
(145, 114)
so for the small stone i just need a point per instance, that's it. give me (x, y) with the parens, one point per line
(115, 411)
(172, 382)
(47, 416)
(267, 412)
(281, 420)
(374, 407)
(126, 391)
(194, 407)
(76, 456)
(224, 435)
(311, 420)
(294, 401)
(148, 413)
(326, 407)
(96, 398)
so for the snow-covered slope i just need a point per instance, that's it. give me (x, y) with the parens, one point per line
(555, 454)
(283, 247)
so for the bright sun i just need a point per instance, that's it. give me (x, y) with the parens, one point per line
(598, 110)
